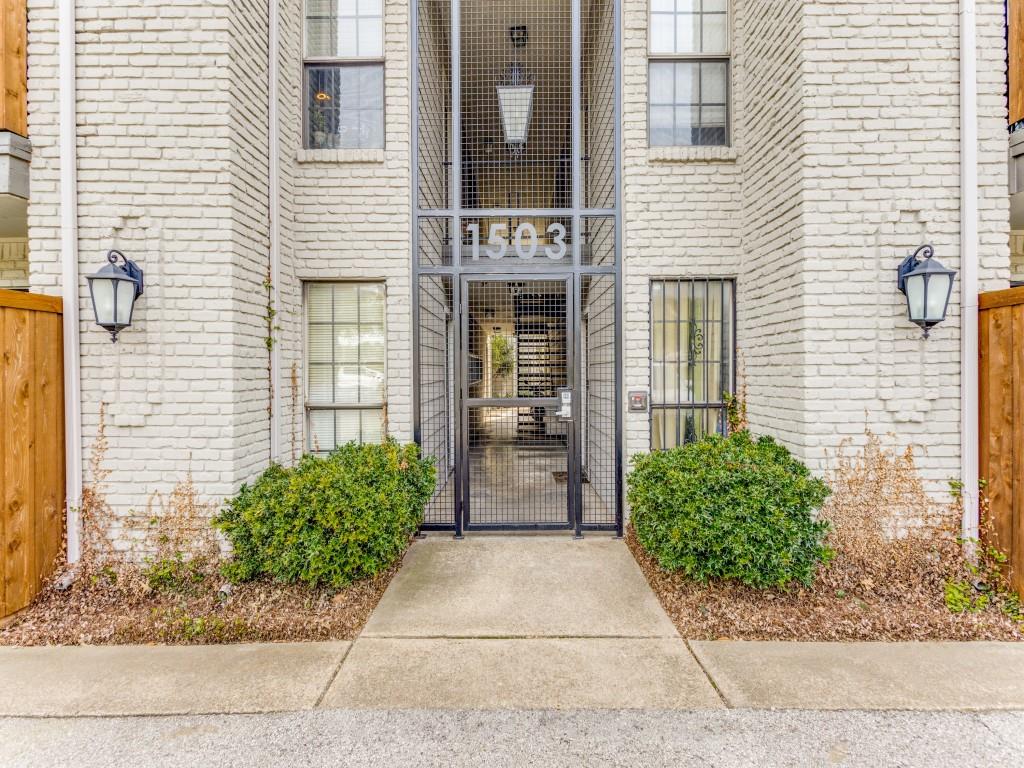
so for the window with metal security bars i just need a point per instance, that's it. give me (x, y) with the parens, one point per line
(688, 73)
(345, 358)
(693, 342)
(344, 74)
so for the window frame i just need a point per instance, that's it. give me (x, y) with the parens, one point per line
(307, 405)
(696, 57)
(679, 405)
(307, 62)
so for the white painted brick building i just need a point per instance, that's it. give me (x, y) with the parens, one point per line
(839, 153)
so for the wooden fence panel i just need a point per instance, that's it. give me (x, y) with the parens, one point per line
(32, 451)
(13, 66)
(1001, 433)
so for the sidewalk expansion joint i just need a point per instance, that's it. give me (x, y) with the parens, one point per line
(517, 637)
(334, 675)
(711, 680)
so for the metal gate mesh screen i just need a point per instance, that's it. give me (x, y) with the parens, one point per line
(516, 350)
(516, 174)
(437, 392)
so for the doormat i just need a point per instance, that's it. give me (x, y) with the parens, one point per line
(561, 476)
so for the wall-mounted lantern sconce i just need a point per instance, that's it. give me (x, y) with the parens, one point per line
(114, 290)
(515, 97)
(927, 285)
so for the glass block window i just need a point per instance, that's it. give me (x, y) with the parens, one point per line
(692, 349)
(345, 107)
(688, 77)
(344, 74)
(345, 354)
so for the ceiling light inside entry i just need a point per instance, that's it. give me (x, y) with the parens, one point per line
(515, 96)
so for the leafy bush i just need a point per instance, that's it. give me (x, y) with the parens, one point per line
(329, 520)
(730, 508)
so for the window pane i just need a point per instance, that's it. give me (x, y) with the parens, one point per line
(371, 40)
(663, 6)
(321, 431)
(712, 82)
(662, 33)
(687, 33)
(687, 82)
(686, 123)
(346, 344)
(662, 133)
(347, 426)
(347, 45)
(320, 388)
(345, 107)
(715, 37)
(662, 83)
(372, 424)
(319, 345)
(346, 303)
(318, 302)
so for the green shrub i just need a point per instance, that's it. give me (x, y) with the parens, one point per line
(730, 508)
(329, 520)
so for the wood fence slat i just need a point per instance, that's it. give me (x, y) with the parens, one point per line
(1015, 546)
(49, 445)
(32, 493)
(3, 460)
(22, 300)
(18, 480)
(13, 67)
(998, 396)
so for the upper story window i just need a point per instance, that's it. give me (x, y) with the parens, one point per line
(688, 78)
(344, 74)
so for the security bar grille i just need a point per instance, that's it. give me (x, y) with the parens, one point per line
(692, 359)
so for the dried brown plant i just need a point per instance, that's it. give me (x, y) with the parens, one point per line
(892, 539)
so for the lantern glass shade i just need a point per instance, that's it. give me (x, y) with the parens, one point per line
(928, 286)
(937, 291)
(915, 296)
(515, 103)
(113, 293)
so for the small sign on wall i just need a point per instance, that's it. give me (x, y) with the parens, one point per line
(638, 401)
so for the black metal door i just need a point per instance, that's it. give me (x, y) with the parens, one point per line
(519, 454)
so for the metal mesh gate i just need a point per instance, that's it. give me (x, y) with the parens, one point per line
(516, 248)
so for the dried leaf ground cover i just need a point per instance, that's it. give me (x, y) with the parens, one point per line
(98, 611)
(169, 589)
(896, 550)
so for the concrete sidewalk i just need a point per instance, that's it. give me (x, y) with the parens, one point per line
(496, 623)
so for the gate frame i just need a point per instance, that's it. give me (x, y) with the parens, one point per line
(535, 268)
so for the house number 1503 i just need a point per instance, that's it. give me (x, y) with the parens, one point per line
(524, 241)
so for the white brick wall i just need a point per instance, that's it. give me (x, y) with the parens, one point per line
(348, 218)
(844, 157)
(171, 116)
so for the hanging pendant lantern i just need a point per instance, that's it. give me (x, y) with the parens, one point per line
(515, 98)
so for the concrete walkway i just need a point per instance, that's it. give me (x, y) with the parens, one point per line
(500, 623)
